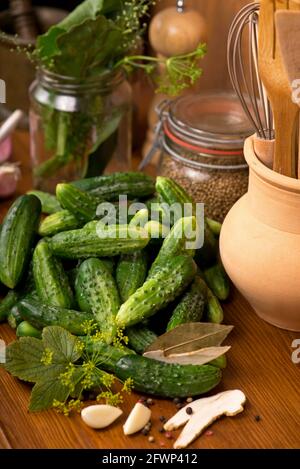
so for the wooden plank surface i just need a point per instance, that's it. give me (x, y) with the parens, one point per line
(260, 364)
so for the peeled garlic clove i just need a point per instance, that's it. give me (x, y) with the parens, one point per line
(100, 416)
(137, 419)
(9, 176)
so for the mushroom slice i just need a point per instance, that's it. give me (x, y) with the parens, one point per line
(181, 417)
(228, 403)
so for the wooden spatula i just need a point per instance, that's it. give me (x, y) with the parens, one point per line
(288, 32)
(276, 82)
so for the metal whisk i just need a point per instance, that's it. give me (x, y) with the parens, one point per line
(244, 74)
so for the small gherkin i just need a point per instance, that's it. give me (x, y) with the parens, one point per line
(158, 291)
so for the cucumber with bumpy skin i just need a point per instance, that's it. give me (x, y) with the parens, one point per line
(50, 279)
(155, 377)
(40, 315)
(191, 306)
(173, 193)
(58, 222)
(109, 187)
(213, 310)
(48, 201)
(7, 303)
(175, 243)
(218, 281)
(17, 238)
(140, 338)
(158, 291)
(82, 205)
(97, 242)
(97, 293)
(131, 273)
(14, 318)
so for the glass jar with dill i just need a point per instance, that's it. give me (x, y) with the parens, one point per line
(78, 126)
(80, 101)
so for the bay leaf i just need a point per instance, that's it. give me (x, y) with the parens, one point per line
(197, 357)
(191, 336)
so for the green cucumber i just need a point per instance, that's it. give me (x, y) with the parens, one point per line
(158, 291)
(215, 226)
(109, 187)
(218, 282)
(50, 279)
(96, 293)
(25, 329)
(48, 201)
(220, 362)
(140, 218)
(175, 195)
(140, 338)
(40, 315)
(191, 306)
(155, 377)
(175, 243)
(213, 312)
(7, 303)
(156, 230)
(14, 318)
(99, 242)
(17, 238)
(82, 205)
(131, 273)
(58, 222)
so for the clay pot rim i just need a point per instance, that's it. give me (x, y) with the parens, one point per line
(268, 175)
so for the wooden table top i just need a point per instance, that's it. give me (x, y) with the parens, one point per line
(260, 364)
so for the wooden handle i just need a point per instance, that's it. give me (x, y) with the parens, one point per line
(264, 150)
(24, 19)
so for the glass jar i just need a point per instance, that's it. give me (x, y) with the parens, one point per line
(202, 138)
(78, 126)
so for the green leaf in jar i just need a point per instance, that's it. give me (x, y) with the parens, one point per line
(190, 337)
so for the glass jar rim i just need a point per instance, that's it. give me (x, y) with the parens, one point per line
(103, 82)
(186, 120)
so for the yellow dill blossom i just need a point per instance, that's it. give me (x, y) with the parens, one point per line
(110, 398)
(47, 357)
(66, 378)
(128, 386)
(89, 327)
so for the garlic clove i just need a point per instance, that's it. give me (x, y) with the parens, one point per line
(100, 416)
(137, 419)
(9, 176)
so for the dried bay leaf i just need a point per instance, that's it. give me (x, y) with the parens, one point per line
(190, 337)
(197, 357)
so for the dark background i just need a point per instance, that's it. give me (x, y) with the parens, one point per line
(65, 4)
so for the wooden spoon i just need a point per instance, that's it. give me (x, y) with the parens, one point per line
(276, 82)
(288, 31)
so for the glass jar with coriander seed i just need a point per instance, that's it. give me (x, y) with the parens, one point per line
(202, 138)
(78, 127)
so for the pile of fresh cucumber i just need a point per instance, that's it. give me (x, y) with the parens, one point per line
(58, 270)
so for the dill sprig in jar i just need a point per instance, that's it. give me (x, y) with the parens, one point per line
(202, 138)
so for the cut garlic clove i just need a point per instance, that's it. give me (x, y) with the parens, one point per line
(137, 419)
(100, 416)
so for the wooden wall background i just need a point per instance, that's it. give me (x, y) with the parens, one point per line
(219, 15)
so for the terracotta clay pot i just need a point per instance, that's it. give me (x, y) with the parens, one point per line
(260, 244)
